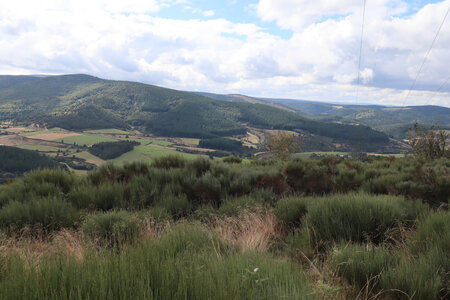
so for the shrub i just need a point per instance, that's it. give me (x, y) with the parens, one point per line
(156, 213)
(141, 191)
(298, 245)
(208, 189)
(348, 180)
(357, 217)
(61, 179)
(361, 265)
(413, 279)
(384, 184)
(233, 206)
(433, 232)
(49, 213)
(275, 183)
(242, 183)
(200, 166)
(176, 205)
(169, 162)
(106, 173)
(104, 197)
(232, 160)
(308, 177)
(291, 211)
(112, 228)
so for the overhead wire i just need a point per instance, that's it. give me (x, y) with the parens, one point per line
(360, 51)
(438, 90)
(425, 58)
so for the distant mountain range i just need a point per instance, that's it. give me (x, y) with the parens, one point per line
(393, 120)
(79, 102)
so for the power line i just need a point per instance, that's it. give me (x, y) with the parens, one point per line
(439, 89)
(426, 56)
(360, 50)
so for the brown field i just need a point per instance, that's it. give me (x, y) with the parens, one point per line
(51, 136)
(17, 140)
(19, 129)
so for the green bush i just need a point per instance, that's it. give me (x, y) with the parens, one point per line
(176, 205)
(106, 173)
(208, 189)
(232, 160)
(308, 177)
(357, 217)
(291, 211)
(233, 206)
(141, 191)
(361, 265)
(413, 279)
(169, 162)
(47, 213)
(103, 197)
(112, 228)
(200, 166)
(38, 184)
(433, 232)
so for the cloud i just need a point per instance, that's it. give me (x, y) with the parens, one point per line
(127, 40)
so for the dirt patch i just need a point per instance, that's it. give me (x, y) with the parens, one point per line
(17, 140)
(51, 136)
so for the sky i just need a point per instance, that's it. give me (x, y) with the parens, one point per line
(298, 49)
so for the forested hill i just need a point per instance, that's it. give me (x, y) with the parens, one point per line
(79, 102)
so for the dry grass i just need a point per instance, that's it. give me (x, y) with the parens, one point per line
(250, 231)
(33, 248)
(153, 229)
(51, 136)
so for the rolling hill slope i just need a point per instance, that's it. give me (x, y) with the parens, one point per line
(79, 102)
(394, 121)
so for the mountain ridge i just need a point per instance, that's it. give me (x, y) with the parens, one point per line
(80, 102)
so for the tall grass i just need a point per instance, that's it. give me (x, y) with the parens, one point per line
(187, 263)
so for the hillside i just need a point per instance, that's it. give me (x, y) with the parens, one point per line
(14, 162)
(80, 102)
(394, 121)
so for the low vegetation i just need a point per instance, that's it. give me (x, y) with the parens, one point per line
(201, 229)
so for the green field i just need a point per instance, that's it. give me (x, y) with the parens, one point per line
(87, 139)
(308, 154)
(90, 158)
(145, 153)
(161, 143)
(42, 148)
(140, 141)
(31, 133)
(108, 131)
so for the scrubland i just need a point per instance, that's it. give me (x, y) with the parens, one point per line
(201, 229)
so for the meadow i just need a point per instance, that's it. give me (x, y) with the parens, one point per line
(179, 228)
(85, 139)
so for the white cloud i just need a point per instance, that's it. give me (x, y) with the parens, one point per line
(208, 13)
(127, 40)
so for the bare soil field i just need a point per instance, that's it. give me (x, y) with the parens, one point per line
(51, 136)
(17, 140)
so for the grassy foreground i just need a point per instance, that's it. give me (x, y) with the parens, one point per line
(201, 229)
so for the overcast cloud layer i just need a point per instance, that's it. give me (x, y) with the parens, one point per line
(318, 60)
